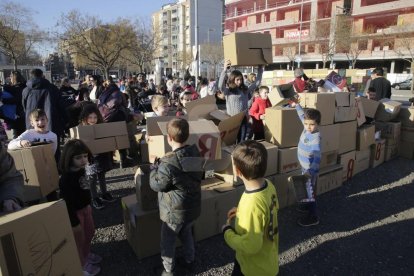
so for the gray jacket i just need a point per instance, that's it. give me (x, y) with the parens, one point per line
(11, 181)
(177, 180)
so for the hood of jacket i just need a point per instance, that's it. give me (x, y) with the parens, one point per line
(37, 83)
(187, 159)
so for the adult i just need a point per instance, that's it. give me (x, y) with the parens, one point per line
(40, 93)
(11, 183)
(96, 88)
(204, 91)
(381, 85)
(18, 83)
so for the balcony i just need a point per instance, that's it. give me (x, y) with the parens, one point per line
(293, 3)
(270, 25)
(380, 8)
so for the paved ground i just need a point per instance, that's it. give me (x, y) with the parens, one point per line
(366, 229)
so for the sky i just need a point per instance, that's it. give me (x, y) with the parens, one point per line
(47, 12)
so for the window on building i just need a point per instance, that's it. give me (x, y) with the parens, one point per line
(363, 44)
(311, 48)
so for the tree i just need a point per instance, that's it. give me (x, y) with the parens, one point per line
(184, 59)
(213, 54)
(18, 32)
(325, 45)
(290, 52)
(94, 43)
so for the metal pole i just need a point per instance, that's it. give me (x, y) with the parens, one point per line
(196, 37)
(300, 33)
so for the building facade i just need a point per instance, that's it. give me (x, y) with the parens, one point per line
(324, 33)
(182, 27)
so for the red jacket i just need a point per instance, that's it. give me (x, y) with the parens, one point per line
(258, 108)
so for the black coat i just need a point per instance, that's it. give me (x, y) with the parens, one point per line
(177, 180)
(40, 93)
(382, 88)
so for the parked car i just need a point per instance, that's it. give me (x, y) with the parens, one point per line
(403, 85)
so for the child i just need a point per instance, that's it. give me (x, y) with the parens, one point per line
(184, 98)
(237, 94)
(309, 155)
(371, 94)
(102, 162)
(255, 236)
(74, 189)
(159, 105)
(176, 178)
(257, 111)
(39, 133)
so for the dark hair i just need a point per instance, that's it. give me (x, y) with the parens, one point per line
(37, 73)
(72, 148)
(178, 129)
(37, 113)
(204, 81)
(90, 109)
(231, 81)
(83, 94)
(98, 79)
(19, 77)
(313, 114)
(250, 158)
(378, 71)
(372, 89)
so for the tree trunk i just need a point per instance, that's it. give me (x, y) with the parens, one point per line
(106, 72)
(14, 63)
(324, 64)
(412, 73)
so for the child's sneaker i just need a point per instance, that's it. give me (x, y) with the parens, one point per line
(302, 207)
(107, 197)
(90, 269)
(308, 221)
(97, 203)
(94, 258)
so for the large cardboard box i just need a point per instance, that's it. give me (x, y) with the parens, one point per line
(281, 94)
(329, 179)
(282, 126)
(377, 153)
(347, 136)
(85, 133)
(38, 241)
(370, 107)
(38, 166)
(407, 133)
(284, 189)
(324, 102)
(360, 112)
(101, 145)
(365, 137)
(328, 159)
(406, 116)
(201, 108)
(362, 160)
(389, 129)
(288, 160)
(391, 148)
(345, 113)
(228, 174)
(345, 99)
(146, 197)
(329, 137)
(272, 158)
(245, 49)
(347, 160)
(110, 129)
(406, 149)
(387, 110)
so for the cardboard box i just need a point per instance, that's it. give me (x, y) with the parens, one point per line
(347, 136)
(377, 153)
(407, 134)
(347, 160)
(365, 137)
(143, 147)
(228, 174)
(328, 158)
(345, 99)
(101, 145)
(406, 116)
(85, 133)
(282, 126)
(288, 160)
(329, 137)
(38, 166)
(272, 158)
(122, 142)
(246, 49)
(329, 180)
(389, 129)
(284, 189)
(280, 94)
(146, 197)
(324, 102)
(387, 110)
(110, 129)
(345, 113)
(201, 108)
(370, 107)
(38, 241)
(406, 149)
(391, 149)
(360, 112)
(362, 160)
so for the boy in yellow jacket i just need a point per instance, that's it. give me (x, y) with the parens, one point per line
(255, 236)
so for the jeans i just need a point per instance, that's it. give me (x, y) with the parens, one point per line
(83, 239)
(168, 236)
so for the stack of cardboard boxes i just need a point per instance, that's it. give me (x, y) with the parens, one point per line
(406, 117)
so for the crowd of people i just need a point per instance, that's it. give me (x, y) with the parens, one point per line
(39, 112)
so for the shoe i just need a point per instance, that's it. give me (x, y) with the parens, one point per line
(308, 221)
(302, 207)
(189, 266)
(94, 258)
(107, 197)
(90, 269)
(166, 273)
(97, 203)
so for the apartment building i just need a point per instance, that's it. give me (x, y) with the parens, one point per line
(340, 33)
(176, 26)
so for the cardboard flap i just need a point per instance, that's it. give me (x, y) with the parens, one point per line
(267, 55)
(229, 128)
(153, 127)
(281, 94)
(220, 115)
(201, 108)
